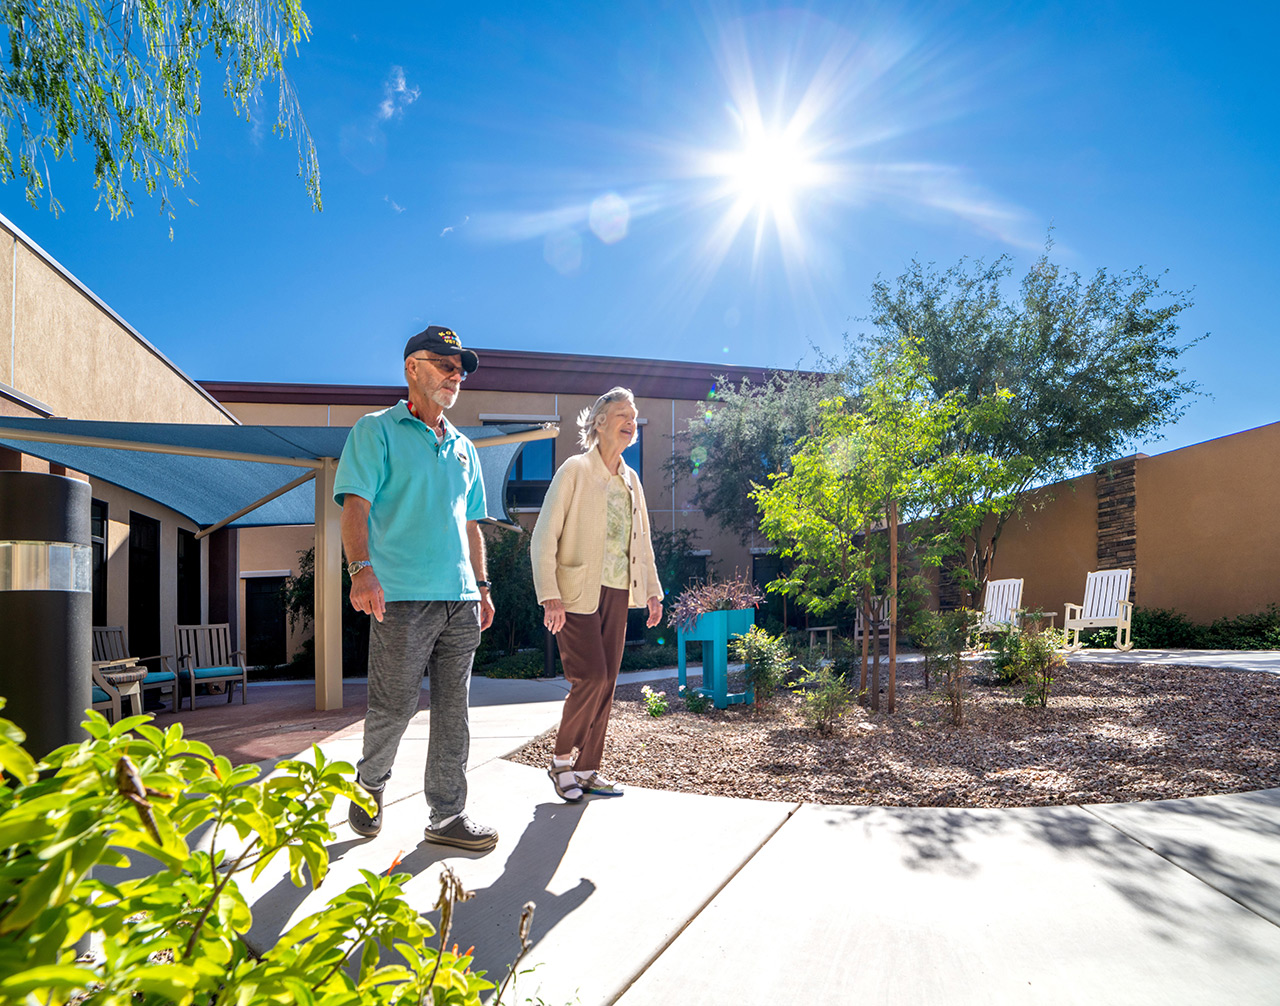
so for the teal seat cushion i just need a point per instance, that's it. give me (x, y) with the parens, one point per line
(158, 678)
(99, 695)
(211, 672)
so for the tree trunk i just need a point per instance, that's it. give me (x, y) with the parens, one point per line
(875, 669)
(893, 602)
(866, 642)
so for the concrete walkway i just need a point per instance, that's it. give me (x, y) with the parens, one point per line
(670, 898)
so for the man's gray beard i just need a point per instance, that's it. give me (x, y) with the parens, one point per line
(444, 398)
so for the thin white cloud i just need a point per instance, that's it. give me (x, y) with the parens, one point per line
(450, 229)
(393, 204)
(397, 95)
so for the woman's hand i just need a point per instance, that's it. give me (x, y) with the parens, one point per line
(553, 615)
(655, 612)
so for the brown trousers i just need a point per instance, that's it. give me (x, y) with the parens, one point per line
(591, 651)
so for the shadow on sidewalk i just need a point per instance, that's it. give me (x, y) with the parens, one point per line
(491, 919)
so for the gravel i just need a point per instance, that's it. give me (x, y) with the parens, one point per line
(1111, 733)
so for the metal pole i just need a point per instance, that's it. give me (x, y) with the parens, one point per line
(46, 606)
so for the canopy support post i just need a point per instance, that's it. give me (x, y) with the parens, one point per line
(328, 579)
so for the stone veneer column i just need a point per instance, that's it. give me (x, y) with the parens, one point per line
(1117, 489)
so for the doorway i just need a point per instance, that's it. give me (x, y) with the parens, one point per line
(144, 586)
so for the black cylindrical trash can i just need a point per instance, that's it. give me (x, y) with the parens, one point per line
(46, 606)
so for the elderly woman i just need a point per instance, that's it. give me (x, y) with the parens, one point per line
(592, 559)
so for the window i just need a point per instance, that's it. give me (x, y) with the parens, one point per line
(98, 542)
(633, 455)
(188, 578)
(534, 465)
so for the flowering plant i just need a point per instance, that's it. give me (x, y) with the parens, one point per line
(721, 595)
(654, 702)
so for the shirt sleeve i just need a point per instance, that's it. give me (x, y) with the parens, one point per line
(477, 505)
(362, 469)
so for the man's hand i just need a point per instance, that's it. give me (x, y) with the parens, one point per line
(553, 615)
(366, 593)
(655, 612)
(486, 609)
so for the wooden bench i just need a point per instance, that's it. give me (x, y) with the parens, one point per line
(205, 656)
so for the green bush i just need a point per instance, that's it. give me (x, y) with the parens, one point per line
(175, 936)
(768, 660)
(824, 697)
(530, 664)
(942, 638)
(1164, 628)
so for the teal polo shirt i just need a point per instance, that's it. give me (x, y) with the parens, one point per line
(422, 495)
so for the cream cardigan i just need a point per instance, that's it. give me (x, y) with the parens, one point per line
(568, 539)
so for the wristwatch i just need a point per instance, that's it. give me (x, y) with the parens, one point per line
(484, 583)
(356, 565)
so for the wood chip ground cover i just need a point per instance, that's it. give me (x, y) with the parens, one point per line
(1111, 733)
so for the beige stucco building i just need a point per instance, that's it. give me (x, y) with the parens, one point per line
(68, 354)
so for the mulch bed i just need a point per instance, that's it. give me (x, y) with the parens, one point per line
(1111, 733)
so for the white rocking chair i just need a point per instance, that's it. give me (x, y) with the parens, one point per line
(1106, 605)
(1000, 605)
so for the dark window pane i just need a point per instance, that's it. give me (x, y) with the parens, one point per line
(98, 541)
(536, 462)
(188, 578)
(633, 456)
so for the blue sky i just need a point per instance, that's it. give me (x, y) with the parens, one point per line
(567, 177)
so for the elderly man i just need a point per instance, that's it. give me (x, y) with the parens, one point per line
(411, 494)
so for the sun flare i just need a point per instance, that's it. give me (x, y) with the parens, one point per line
(769, 171)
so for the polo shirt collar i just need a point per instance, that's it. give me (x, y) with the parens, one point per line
(401, 413)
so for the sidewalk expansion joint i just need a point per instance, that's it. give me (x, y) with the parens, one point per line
(1174, 863)
(657, 954)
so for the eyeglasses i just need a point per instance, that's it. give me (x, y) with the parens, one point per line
(446, 366)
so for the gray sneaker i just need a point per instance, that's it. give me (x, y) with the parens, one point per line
(360, 821)
(463, 833)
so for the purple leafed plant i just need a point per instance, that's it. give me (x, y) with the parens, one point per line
(721, 595)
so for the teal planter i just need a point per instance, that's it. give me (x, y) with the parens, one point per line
(714, 630)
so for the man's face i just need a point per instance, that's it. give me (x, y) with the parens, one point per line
(438, 378)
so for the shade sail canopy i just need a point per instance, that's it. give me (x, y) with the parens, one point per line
(207, 473)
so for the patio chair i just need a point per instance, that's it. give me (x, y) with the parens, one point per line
(205, 656)
(1106, 605)
(111, 653)
(860, 627)
(105, 696)
(1000, 604)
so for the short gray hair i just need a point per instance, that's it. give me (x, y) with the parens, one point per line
(590, 418)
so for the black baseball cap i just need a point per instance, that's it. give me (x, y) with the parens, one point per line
(443, 342)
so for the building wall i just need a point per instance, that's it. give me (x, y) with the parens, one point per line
(1051, 545)
(521, 388)
(1208, 537)
(68, 350)
(66, 353)
(1207, 543)
(273, 550)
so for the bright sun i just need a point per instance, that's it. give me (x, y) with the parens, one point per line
(768, 172)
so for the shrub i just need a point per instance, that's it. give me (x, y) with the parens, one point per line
(132, 790)
(1164, 628)
(768, 659)
(655, 703)
(824, 697)
(942, 637)
(695, 701)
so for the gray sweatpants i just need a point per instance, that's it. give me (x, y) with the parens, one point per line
(440, 637)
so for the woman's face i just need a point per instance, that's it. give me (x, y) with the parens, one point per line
(618, 426)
